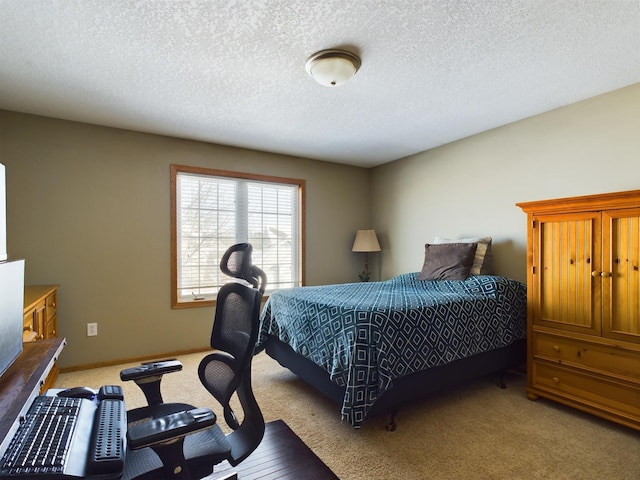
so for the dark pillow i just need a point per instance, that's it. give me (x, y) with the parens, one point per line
(483, 262)
(447, 261)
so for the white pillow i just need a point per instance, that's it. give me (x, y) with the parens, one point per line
(483, 261)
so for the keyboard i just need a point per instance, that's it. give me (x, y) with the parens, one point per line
(65, 438)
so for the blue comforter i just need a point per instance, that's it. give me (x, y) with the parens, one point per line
(365, 335)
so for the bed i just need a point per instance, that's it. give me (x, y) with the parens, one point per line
(372, 347)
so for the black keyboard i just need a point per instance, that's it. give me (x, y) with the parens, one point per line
(106, 451)
(64, 438)
(41, 444)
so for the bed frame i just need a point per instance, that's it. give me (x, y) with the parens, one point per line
(409, 387)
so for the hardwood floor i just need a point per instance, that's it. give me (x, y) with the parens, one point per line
(281, 455)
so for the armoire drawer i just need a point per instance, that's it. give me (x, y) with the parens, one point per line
(573, 352)
(592, 390)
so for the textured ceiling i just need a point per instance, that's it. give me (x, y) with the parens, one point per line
(232, 72)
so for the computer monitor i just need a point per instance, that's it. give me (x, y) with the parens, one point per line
(3, 215)
(11, 311)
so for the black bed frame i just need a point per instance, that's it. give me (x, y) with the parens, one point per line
(409, 387)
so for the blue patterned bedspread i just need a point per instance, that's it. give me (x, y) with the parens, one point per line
(367, 334)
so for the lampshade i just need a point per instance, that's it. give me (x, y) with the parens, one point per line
(366, 241)
(332, 68)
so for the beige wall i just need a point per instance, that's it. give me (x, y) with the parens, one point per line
(88, 208)
(470, 187)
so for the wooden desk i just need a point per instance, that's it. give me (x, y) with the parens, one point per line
(21, 383)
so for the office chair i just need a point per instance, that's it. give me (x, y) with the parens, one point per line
(179, 441)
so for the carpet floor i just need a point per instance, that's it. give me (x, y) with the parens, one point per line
(473, 431)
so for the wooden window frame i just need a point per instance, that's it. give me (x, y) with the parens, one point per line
(175, 170)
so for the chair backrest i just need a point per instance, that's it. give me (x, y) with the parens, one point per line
(236, 321)
(228, 369)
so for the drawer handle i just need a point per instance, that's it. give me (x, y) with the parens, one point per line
(556, 348)
(556, 380)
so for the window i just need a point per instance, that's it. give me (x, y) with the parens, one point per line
(213, 209)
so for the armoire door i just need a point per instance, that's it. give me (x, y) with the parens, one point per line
(621, 275)
(566, 254)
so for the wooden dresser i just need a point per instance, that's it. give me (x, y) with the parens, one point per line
(41, 319)
(583, 289)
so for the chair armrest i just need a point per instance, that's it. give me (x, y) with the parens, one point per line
(152, 369)
(148, 377)
(169, 428)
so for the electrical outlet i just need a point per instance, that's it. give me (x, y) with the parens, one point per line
(92, 329)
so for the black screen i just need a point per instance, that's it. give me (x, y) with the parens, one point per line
(11, 311)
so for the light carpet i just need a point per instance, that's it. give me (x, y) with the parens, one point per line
(474, 431)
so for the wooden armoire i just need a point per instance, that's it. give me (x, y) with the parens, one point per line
(583, 291)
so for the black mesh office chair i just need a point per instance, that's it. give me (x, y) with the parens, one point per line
(177, 440)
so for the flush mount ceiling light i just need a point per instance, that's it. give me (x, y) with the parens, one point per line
(332, 68)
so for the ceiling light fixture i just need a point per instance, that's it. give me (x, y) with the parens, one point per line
(332, 68)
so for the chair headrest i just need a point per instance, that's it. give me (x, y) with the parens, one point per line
(236, 262)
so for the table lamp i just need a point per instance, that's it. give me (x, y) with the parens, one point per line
(366, 241)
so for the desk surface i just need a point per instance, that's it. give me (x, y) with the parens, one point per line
(21, 383)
